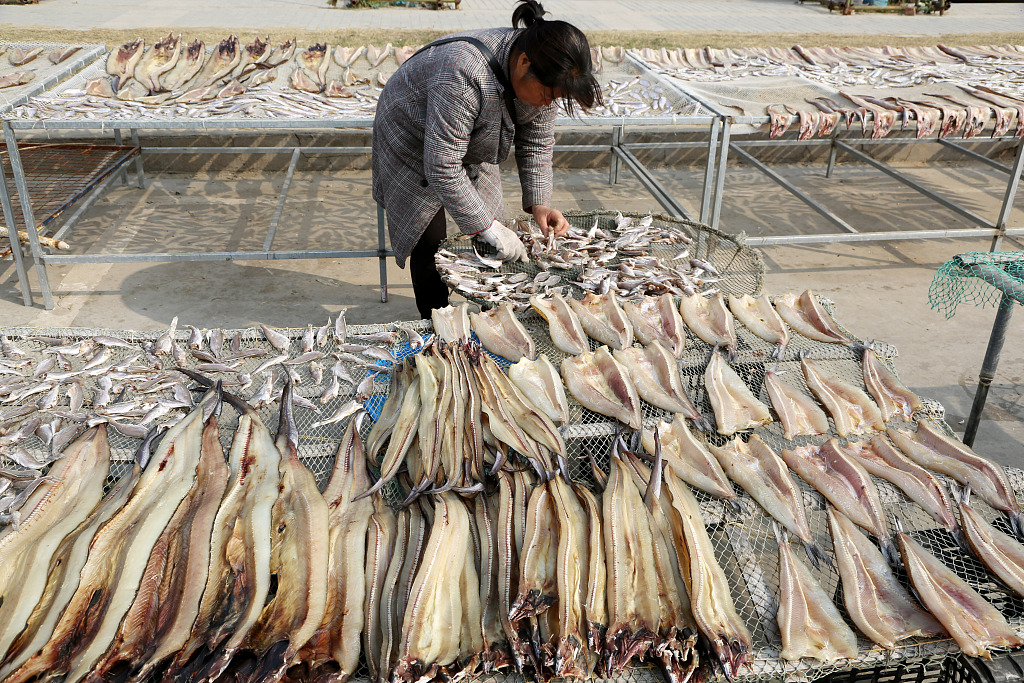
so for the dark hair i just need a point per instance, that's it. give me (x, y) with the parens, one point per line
(559, 56)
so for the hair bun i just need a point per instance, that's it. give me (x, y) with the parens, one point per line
(528, 13)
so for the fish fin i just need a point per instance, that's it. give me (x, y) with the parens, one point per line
(653, 491)
(600, 477)
(287, 432)
(780, 533)
(818, 557)
(149, 444)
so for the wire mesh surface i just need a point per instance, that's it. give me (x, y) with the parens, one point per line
(58, 175)
(741, 268)
(980, 278)
(632, 91)
(744, 541)
(46, 73)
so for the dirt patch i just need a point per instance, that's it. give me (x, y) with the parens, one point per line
(358, 36)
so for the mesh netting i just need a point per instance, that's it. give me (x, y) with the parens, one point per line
(740, 268)
(745, 542)
(44, 72)
(980, 278)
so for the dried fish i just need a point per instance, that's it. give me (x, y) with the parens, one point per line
(735, 405)
(601, 384)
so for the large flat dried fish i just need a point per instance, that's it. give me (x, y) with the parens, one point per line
(851, 408)
(878, 604)
(121, 62)
(759, 316)
(845, 484)
(806, 315)
(975, 624)
(604, 320)
(657, 318)
(601, 384)
(451, 323)
(689, 458)
(708, 318)
(931, 448)
(892, 395)
(501, 333)
(798, 412)
(158, 60)
(764, 476)
(189, 63)
(563, 324)
(809, 622)
(881, 459)
(655, 374)
(710, 595)
(1001, 553)
(539, 380)
(735, 405)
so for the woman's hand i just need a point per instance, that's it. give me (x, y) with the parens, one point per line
(549, 219)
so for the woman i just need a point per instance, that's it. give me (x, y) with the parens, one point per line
(449, 116)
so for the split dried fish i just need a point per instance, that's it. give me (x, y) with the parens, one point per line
(806, 315)
(852, 410)
(602, 384)
(735, 406)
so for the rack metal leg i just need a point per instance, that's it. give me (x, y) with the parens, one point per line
(792, 189)
(723, 164)
(276, 219)
(988, 367)
(709, 172)
(26, 210)
(615, 165)
(12, 232)
(831, 158)
(123, 173)
(140, 175)
(382, 255)
(1008, 198)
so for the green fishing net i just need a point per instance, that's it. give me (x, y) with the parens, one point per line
(978, 277)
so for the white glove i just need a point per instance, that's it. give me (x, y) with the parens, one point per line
(509, 246)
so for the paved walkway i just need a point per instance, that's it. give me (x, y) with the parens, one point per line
(749, 16)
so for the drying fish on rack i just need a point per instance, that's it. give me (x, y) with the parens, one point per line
(564, 325)
(877, 603)
(1001, 553)
(688, 457)
(881, 459)
(603, 319)
(930, 448)
(710, 595)
(539, 380)
(892, 395)
(759, 316)
(974, 623)
(657, 318)
(806, 315)
(852, 410)
(451, 323)
(735, 406)
(709, 319)
(601, 384)
(809, 622)
(501, 333)
(844, 483)
(764, 476)
(655, 374)
(799, 414)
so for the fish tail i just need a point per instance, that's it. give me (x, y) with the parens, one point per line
(892, 556)
(1016, 523)
(817, 555)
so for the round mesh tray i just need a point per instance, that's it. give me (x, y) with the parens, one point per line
(741, 268)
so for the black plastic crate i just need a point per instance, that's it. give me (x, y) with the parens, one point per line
(1007, 668)
(933, 670)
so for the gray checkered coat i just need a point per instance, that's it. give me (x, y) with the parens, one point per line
(440, 130)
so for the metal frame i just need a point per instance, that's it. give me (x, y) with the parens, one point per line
(617, 149)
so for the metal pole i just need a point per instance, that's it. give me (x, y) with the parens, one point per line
(653, 186)
(723, 163)
(382, 255)
(12, 232)
(974, 155)
(615, 164)
(276, 219)
(26, 211)
(988, 367)
(1011, 193)
(896, 175)
(123, 173)
(140, 174)
(831, 158)
(709, 172)
(792, 189)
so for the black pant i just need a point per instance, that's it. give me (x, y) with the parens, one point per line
(430, 290)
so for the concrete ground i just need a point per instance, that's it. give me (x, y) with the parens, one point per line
(751, 16)
(881, 290)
